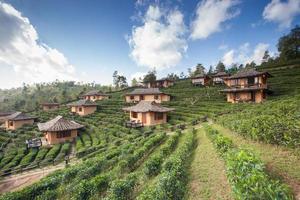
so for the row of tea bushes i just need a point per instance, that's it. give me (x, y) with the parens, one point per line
(274, 122)
(246, 172)
(171, 182)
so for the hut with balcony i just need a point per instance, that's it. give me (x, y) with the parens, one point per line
(218, 78)
(146, 94)
(47, 106)
(160, 83)
(83, 107)
(95, 95)
(17, 120)
(59, 130)
(147, 113)
(200, 80)
(248, 85)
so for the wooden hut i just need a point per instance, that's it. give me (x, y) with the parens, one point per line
(50, 106)
(218, 78)
(248, 85)
(160, 83)
(147, 113)
(95, 95)
(200, 80)
(148, 94)
(17, 120)
(59, 130)
(83, 107)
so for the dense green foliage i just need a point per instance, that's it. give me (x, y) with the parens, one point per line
(246, 173)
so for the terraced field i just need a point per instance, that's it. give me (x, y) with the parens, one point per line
(209, 149)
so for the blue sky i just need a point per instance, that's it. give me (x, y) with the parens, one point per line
(87, 40)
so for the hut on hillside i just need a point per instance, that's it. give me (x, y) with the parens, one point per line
(95, 95)
(17, 120)
(247, 85)
(200, 80)
(59, 130)
(47, 106)
(147, 113)
(218, 78)
(160, 83)
(83, 107)
(146, 94)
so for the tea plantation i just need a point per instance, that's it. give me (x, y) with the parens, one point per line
(252, 150)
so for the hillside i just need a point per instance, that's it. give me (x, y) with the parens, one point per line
(187, 158)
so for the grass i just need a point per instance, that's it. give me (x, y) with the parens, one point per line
(207, 178)
(280, 161)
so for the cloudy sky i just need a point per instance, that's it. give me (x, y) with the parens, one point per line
(45, 40)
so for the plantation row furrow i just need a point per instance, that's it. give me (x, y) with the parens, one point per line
(246, 172)
(171, 182)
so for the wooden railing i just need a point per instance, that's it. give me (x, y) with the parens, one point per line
(259, 85)
(133, 124)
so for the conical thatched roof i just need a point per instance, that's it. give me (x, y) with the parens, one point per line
(141, 91)
(248, 72)
(147, 106)
(82, 102)
(95, 93)
(17, 116)
(59, 124)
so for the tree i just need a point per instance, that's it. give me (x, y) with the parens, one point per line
(289, 45)
(116, 79)
(190, 73)
(134, 82)
(172, 77)
(181, 76)
(211, 70)
(122, 81)
(266, 57)
(233, 69)
(220, 67)
(250, 65)
(150, 76)
(199, 70)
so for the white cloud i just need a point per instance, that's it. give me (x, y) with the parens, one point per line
(282, 12)
(244, 55)
(158, 43)
(228, 58)
(223, 47)
(31, 60)
(210, 15)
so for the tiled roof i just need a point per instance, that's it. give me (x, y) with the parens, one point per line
(147, 106)
(17, 116)
(96, 93)
(59, 124)
(219, 74)
(50, 104)
(82, 102)
(247, 73)
(141, 91)
(200, 76)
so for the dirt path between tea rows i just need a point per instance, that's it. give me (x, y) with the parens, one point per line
(19, 181)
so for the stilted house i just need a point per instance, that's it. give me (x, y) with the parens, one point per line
(200, 80)
(50, 106)
(161, 83)
(248, 85)
(95, 95)
(148, 94)
(147, 113)
(83, 107)
(218, 78)
(59, 130)
(17, 120)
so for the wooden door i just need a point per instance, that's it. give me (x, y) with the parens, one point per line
(144, 118)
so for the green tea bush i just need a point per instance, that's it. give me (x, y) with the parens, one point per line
(121, 189)
(245, 172)
(171, 183)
